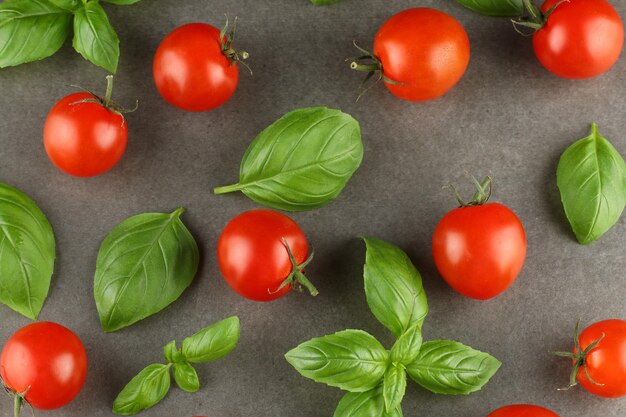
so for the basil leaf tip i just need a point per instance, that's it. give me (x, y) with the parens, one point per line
(94, 37)
(504, 8)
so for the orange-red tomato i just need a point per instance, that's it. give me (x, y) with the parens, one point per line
(522, 410)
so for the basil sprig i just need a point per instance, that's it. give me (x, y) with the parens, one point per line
(302, 161)
(27, 253)
(510, 8)
(591, 177)
(144, 265)
(31, 30)
(151, 385)
(374, 377)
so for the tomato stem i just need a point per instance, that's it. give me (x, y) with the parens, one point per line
(109, 91)
(17, 404)
(481, 196)
(226, 40)
(227, 189)
(296, 278)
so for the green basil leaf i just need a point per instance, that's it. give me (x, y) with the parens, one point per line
(510, 8)
(394, 386)
(591, 177)
(448, 367)
(172, 354)
(94, 37)
(186, 377)
(27, 252)
(144, 264)
(31, 30)
(302, 161)
(213, 342)
(69, 5)
(393, 287)
(408, 345)
(143, 391)
(324, 2)
(352, 360)
(122, 2)
(365, 404)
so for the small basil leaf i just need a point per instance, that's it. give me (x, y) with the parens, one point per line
(94, 37)
(186, 377)
(393, 287)
(591, 177)
(324, 2)
(447, 367)
(144, 264)
(352, 360)
(302, 161)
(143, 391)
(510, 8)
(122, 2)
(394, 386)
(213, 342)
(27, 252)
(365, 404)
(31, 30)
(172, 353)
(408, 345)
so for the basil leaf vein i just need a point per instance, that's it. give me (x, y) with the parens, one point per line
(143, 391)
(507, 8)
(448, 367)
(27, 253)
(213, 342)
(94, 37)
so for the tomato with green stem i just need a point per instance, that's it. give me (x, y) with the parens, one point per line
(43, 364)
(262, 255)
(575, 39)
(85, 135)
(419, 54)
(195, 66)
(480, 247)
(522, 410)
(599, 358)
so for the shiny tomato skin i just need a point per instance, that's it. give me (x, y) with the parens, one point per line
(425, 50)
(606, 363)
(48, 358)
(84, 139)
(581, 38)
(190, 70)
(252, 257)
(480, 250)
(522, 410)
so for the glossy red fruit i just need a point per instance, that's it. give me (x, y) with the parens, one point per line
(523, 410)
(47, 361)
(253, 253)
(194, 69)
(580, 38)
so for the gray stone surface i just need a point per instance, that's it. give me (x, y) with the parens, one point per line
(507, 117)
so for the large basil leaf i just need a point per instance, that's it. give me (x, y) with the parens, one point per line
(302, 161)
(591, 177)
(213, 342)
(394, 386)
(144, 264)
(27, 252)
(408, 345)
(365, 404)
(31, 30)
(510, 8)
(393, 287)
(143, 391)
(186, 377)
(447, 367)
(94, 37)
(352, 360)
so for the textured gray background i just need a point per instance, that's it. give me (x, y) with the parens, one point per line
(507, 116)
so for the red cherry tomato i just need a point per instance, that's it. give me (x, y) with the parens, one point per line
(480, 249)
(85, 139)
(601, 366)
(423, 51)
(580, 39)
(522, 410)
(46, 359)
(253, 253)
(194, 69)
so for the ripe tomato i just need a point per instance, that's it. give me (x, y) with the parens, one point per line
(479, 249)
(194, 69)
(84, 135)
(253, 253)
(46, 360)
(522, 410)
(421, 52)
(600, 358)
(580, 38)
